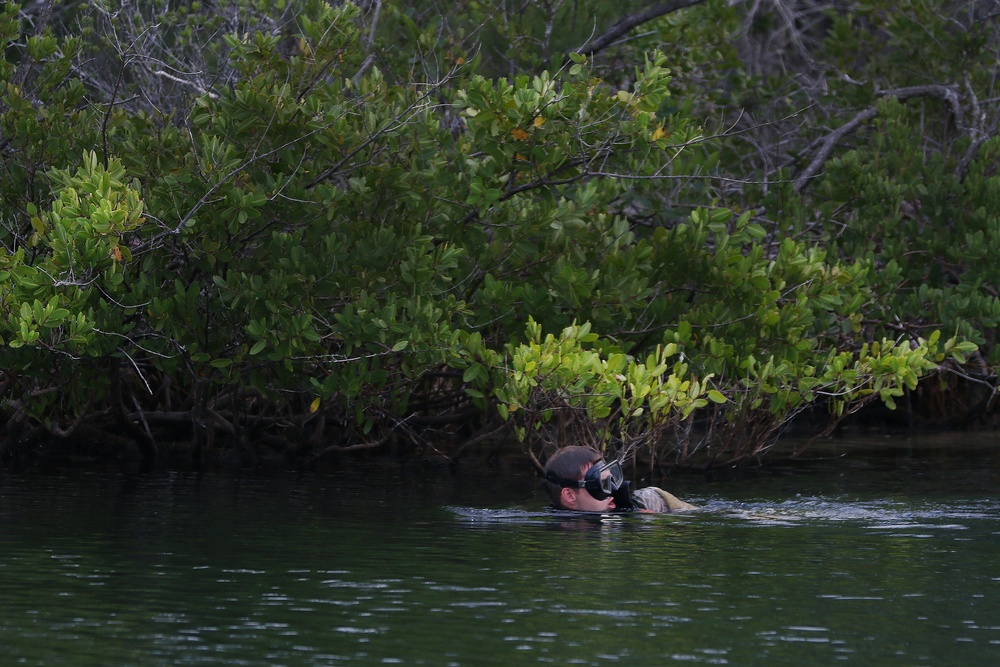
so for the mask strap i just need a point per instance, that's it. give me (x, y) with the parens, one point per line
(564, 482)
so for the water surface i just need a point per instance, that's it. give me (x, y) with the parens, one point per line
(864, 561)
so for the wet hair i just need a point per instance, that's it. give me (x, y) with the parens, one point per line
(567, 463)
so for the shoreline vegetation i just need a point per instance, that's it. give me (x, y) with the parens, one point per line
(283, 232)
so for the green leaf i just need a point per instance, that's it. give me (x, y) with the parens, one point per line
(716, 396)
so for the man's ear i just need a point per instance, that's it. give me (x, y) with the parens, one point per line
(567, 497)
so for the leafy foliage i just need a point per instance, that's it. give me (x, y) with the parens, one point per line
(337, 229)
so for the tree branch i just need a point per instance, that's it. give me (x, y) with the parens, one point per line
(946, 93)
(826, 148)
(626, 24)
(343, 449)
(545, 181)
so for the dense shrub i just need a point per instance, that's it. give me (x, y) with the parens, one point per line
(348, 236)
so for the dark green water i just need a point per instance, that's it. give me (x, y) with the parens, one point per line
(862, 561)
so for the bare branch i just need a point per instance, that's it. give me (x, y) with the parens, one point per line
(365, 66)
(826, 148)
(619, 29)
(71, 429)
(946, 93)
(370, 39)
(344, 449)
(184, 82)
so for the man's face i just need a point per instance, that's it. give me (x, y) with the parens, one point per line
(582, 501)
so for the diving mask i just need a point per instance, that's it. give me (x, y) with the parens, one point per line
(601, 480)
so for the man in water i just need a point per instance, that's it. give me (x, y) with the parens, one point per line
(577, 478)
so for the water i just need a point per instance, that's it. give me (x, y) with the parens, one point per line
(861, 561)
